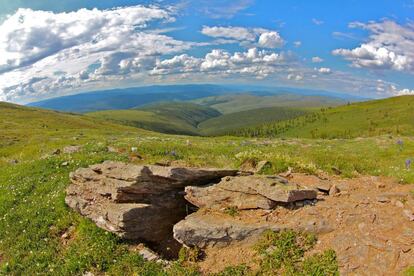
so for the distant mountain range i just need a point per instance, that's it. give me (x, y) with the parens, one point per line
(128, 98)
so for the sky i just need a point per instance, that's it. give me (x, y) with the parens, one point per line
(51, 48)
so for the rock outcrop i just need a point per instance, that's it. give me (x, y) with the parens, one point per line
(136, 202)
(213, 229)
(144, 202)
(248, 192)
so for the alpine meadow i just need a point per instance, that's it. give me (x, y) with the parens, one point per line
(218, 138)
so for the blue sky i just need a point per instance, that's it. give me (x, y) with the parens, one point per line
(52, 48)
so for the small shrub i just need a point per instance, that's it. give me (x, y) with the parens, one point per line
(232, 211)
(189, 254)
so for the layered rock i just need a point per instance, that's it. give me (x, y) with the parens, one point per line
(248, 192)
(135, 202)
(212, 229)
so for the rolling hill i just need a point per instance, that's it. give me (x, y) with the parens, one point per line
(216, 115)
(173, 118)
(130, 97)
(393, 116)
(28, 131)
(232, 103)
(139, 96)
(227, 123)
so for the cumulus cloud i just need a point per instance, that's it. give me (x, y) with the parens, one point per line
(254, 62)
(29, 36)
(390, 46)
(317, 59)
(252, 36)
(270, 40)
(400, 92)
(116, 42)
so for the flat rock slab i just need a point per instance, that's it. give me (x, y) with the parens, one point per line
(248, 192)
(207, 230)
(126, 183)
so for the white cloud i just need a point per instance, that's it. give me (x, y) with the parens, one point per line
(323, 70)
(29, 36)
(295, 77)
(297, 44)
(400, 92)
(116, 42)
(249, 36)
(270, 40)
(238, 33)
(317, 21)
(317, 59)
(253, 62)
(405, 91)
(222, 8)
(390, 46)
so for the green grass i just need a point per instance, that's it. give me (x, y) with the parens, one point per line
(393, 116)
(172, 118)
(33, 215)
(409, 271)
(227, 104)
(231, 122)
(282, 253)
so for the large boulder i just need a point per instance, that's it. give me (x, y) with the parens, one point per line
(214, 229)
(248, 192)
(136, 202)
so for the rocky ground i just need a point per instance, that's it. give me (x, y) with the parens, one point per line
(369, 224)
(368, 221)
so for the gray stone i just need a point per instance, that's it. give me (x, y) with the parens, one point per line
(206, 230)
(217, 198)
(247, 192)
(272, 188)
(324, 186)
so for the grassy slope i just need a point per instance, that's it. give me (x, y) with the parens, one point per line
(233, 121)
(241, 102)
(33, 215)
(389, 116)
(173, 118)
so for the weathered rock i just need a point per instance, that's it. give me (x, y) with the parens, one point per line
(217, 198)
(247, 192)
(147, 254)
(334, 190)
(72, 149)
(254, 166)
(205, 230)
(324, 186)
(135, 202)
(132, 183)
